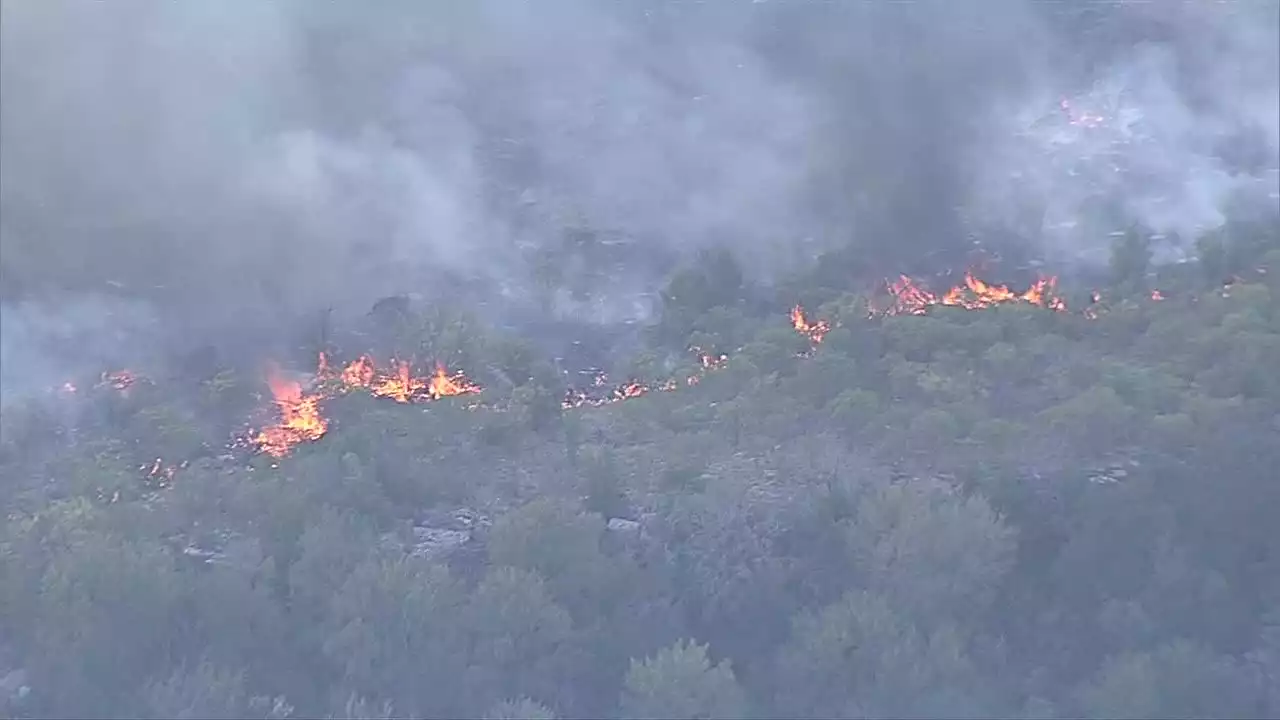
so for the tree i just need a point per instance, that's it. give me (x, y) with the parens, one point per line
(1130, 257)
(235, 614)
(517, 639)
(714, 280)
(107, 621)
(1176, 680)
(557, 540)
(358, 707)
(328, 552)
(680, 682)
(205, 691)
(858, 657)
(521, 709)
(937, 554)
(603, 481)
(394, 634)
(727, 559)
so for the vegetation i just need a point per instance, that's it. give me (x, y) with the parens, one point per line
(998, 512)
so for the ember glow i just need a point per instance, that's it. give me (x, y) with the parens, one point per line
(626, 391)
(594, 397)
(121, 380)
(159, 473)
(710, 361)
(1080, 118)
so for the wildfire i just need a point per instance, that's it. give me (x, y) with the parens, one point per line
(576, 398)
(815, 331)
(299, 409)
(300, 418)
(1082, 118)
(444, 385)
(709, 361)
(399, 383)
(974, 294)
(121, 380)
(160, 474)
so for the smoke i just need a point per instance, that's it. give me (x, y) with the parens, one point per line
(247, 164)
(46, 345)
(1173, 130)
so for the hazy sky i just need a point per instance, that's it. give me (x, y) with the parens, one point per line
(250, 162)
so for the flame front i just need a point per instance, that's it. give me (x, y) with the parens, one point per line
(974, 294)
(300, 418)
(443, 384)
(399, 384)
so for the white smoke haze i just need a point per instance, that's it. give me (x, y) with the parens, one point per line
(248, 163)
(44, 345)
(1143, 140)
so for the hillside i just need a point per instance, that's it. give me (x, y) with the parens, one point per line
(889, 501)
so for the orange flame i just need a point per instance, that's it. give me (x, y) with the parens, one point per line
(360, 373)
(911, 299)
(399, 384)
(815, 331)
(300, 419)
(443, 384)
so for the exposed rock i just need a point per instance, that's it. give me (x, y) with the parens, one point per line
(468, 519)
(431, 541)
(222, 547)
(462, 519)
(202, 554)
(14, 687)
(622, 525)
(438, 533)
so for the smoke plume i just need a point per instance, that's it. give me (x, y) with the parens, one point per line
(249, 164)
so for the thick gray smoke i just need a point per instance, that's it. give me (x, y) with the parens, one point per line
(249, 163)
